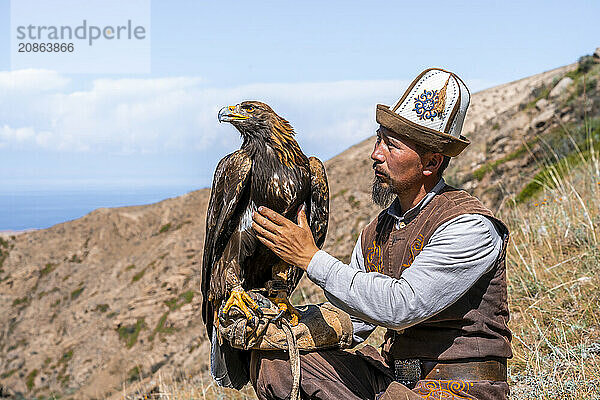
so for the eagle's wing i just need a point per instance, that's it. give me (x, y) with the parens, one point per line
(229, 184)
(318, 214)
(319, 201)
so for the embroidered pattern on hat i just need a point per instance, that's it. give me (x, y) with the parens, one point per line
(425, 104)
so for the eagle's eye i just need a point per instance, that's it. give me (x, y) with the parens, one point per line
(249, 108)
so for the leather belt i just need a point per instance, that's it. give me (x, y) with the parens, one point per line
(408, 372)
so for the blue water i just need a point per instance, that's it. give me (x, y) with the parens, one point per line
(36, 209)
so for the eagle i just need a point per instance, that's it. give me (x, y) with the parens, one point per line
(268, 170)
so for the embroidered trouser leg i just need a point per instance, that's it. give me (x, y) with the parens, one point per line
(448, 390)
(338, 374)
(330, 374)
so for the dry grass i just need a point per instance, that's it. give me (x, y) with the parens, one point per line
(553, 274)
(198, 387)
(182, 386)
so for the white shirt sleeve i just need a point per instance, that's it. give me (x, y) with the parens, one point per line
(458, 253)
(360, 329)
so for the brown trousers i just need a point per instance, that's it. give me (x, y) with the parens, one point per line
(338, 374)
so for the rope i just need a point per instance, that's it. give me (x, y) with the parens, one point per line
(294, 353)
(240, 340)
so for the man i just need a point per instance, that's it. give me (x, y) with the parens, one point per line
(430, 268)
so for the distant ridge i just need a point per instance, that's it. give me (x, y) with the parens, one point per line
(90, 306)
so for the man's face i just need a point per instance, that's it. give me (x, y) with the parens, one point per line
(398, 167)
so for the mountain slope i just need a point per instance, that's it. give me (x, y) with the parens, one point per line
(93, 301)
(92, 305)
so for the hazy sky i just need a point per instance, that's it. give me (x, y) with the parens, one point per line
(322, 65)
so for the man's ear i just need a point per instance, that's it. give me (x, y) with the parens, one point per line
(433, 163)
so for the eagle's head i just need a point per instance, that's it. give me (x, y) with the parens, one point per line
(255, 120)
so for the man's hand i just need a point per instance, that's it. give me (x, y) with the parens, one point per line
(293, 243)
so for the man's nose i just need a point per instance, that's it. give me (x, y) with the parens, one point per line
(377, 154)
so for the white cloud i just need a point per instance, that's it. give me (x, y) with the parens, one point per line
(31, 80)
(8, 134)
(153, 115)
(23, 135)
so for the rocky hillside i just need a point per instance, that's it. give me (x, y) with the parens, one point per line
(91, 306)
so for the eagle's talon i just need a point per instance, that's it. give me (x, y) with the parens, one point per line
(278, 316)
(241, 300)
(294, 320)
(285, 306)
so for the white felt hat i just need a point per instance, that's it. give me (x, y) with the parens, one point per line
(431, 112)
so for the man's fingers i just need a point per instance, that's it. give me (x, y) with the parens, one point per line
(272, 246)
(302, 222)
(265, 223)
(262, 232)
(267, 243)
(272, 215)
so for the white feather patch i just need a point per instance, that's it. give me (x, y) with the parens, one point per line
(246, 222)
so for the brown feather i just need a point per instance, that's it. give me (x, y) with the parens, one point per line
(269, 170)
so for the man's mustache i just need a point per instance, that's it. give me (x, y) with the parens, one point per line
(375, 164)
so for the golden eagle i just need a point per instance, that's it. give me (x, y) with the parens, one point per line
(268, 170)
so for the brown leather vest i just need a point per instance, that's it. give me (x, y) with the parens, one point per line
(475, 325)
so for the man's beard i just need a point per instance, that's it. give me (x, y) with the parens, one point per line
(381, 194)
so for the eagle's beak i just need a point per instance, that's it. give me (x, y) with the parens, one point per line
(231, 113)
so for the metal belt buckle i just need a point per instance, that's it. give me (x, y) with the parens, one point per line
(407, 372)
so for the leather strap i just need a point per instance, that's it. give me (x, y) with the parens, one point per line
(484, 370)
